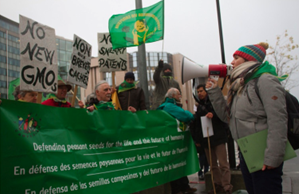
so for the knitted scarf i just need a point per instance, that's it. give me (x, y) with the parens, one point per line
(245, 72)
(54, 97)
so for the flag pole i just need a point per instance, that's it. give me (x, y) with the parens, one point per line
(74, 95)
(141, 63)
(230, 142)
(220, 32)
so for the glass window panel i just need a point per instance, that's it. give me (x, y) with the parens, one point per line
(2, 46)
(68, 56)
(62, 44)
(62, 56)
(69, 46)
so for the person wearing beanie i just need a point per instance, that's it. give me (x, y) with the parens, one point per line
(247, 113)
(163, 78)
(129, 94)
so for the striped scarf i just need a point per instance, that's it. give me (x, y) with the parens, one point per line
(236, 81)
(245, 72)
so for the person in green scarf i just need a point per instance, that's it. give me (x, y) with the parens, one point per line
(59, 99)
(129, 94)
(248, 114)
(103, 98)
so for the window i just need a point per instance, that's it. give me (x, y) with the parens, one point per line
(62, 56)
(13, 38)
(134, 63)
(2, 71)
(109, 78)
(3, 24)
(2, 46)
(14, 62)
(2, 84)
(2, 59)
(69, 46)
(68, 56)
(62, 44)
(12, 73)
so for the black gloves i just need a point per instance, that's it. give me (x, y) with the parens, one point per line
(161, 63)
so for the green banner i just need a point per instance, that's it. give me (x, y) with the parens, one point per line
(66, 150)
(138, 26)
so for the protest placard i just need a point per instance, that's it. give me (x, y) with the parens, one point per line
(80, 62)
(110, 60)
(38, 56)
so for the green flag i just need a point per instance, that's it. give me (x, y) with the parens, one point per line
(137, 26)
(47, 149)
(12, 86)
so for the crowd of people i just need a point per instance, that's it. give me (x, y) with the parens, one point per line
(241, 113)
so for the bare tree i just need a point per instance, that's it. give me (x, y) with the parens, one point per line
(283, 58)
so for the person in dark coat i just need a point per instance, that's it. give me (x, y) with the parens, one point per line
(129, 94)
(203, 162)
(221, 172)
(163, 78)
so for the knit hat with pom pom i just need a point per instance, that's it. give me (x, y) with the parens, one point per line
(256, 52)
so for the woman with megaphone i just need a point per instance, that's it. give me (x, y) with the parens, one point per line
(248, 114)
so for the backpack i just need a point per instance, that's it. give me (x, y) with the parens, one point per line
(293, 116)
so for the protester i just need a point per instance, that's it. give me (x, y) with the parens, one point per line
(218, 161)
(170, 105)
(59, 100)
(24, 95)
(163, 78)
(129, 94)
(103, 98)
(203, 162)
(247, 114)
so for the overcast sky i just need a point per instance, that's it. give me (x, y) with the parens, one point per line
(191, 26)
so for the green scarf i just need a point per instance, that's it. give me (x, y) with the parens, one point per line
(169, 77)
(54, 97)
(104, 106)
(126, 86)
(266, 67)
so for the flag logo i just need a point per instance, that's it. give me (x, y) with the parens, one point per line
(137, 27)
(27, 127)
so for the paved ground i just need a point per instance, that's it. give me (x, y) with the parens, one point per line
(290, 178)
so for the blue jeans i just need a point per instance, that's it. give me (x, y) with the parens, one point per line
(262, 182)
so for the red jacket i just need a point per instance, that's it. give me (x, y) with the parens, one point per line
(51, 102)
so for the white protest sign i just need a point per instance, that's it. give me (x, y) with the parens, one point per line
(80, 62)
(206, 126)
(38, 55)
(109, 59)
